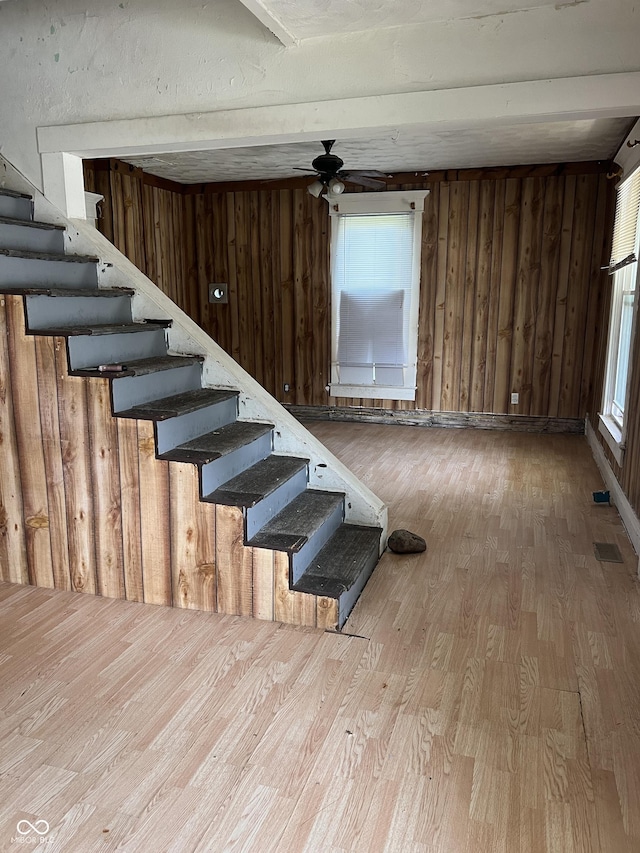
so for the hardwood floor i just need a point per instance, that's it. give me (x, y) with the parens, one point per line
(490, 700)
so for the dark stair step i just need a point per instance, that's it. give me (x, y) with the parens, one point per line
(92, 345)
(302, 528)
(142, 366)
(98, 329)
(49, 256)
(182, 417)
(44, 226)
(258, 482)
(263, 490)
(178, 404)
(145, 379)
(64, 292)
(213, 445)
(343, 567)
(224, 452)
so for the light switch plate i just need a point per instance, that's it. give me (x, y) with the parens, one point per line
(219, 293)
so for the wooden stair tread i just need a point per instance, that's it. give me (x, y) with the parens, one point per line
(178, 404)
(338, 565)
(47, 290)
(14, 193)
(103, 329)
(29, 223)
(256, 483)
(298, 521)
(143, 366)
(49, 256)
(219, 442)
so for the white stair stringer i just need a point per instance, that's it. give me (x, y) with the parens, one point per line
(220, 370)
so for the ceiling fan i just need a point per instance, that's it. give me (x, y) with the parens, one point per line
(329, 174)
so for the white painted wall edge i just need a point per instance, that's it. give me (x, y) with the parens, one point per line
(220, 370)
(629, 157)
(625, 510)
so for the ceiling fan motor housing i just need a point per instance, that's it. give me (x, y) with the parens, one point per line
(327, 164)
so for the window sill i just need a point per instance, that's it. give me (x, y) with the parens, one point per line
(373, 392)
(612, 435)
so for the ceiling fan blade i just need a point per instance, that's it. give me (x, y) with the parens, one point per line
(362, 181)
(369, 173)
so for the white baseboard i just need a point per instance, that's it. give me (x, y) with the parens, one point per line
(625, 510)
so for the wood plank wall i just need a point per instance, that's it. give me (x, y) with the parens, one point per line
(86, 506)
(511, 289)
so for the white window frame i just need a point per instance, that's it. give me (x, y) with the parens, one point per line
(366, 203)
(625, 281)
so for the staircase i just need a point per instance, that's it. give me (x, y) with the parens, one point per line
(236, 464)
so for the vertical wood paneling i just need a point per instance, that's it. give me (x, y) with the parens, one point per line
(470, 278)
(482, 277)
(105, 471)
(507, 289)
(130, 508)
(154, 519)
(427, 309)
(509, 279)
(14, 566)
(526, 294)
(497, 237)
(50, 424)
(454, 306)
(290, 606)
(192, 535)
(29, 445)
(76, 466)
(552, 220)
(234, 563)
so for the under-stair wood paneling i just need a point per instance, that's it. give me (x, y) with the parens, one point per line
(86, 506)
(510, 289)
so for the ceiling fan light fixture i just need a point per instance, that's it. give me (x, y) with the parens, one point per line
(336, 187)
(315, 188)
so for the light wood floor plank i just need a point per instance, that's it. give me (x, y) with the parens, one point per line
(485, 695)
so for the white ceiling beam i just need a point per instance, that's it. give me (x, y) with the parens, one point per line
(271, 22)
(566, 99)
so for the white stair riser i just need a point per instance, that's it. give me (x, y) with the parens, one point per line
(258, 515)
(31, 238)
(36, 272)
(215, 473)
(130, 391)
(87, 351)
(49, 312)
(302, 558)
(179, 430)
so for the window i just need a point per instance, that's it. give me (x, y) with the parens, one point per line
(624, 272)
(375, 284)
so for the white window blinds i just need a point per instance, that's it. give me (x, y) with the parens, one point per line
(372, 280)
(626, 223)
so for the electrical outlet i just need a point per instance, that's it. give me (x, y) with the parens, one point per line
(515, 397)
(287, 387)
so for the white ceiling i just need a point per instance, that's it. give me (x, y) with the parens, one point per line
(297, 20)
(408, 150)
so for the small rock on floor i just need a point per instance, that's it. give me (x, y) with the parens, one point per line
(405, 542)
